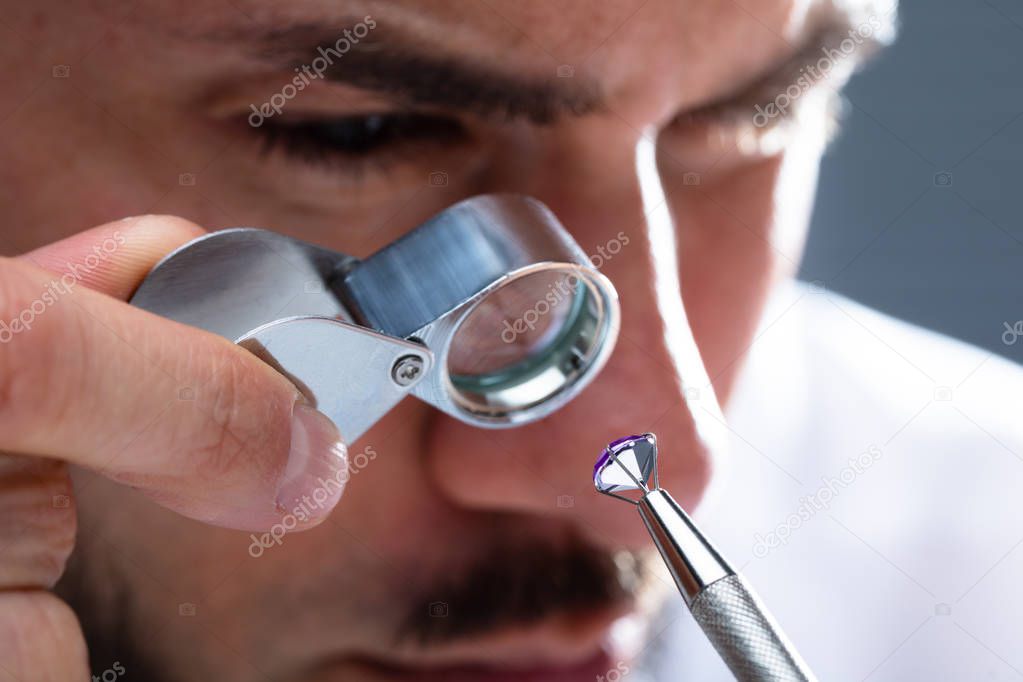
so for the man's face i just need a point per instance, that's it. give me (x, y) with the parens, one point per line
(463, 551)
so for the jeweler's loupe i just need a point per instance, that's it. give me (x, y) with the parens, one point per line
(489, 311)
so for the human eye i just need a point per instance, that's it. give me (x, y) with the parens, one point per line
(348, 142)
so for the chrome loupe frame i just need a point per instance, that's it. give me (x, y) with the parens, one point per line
(544, 392)
(357, 336)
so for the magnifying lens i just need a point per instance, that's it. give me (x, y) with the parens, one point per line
(488, 311)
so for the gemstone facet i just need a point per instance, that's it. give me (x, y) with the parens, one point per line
(635, 455)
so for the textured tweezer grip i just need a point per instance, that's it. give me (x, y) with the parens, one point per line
(745, 636)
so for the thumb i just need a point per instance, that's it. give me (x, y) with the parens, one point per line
(227, 439)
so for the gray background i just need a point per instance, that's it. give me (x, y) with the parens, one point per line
(946, 98)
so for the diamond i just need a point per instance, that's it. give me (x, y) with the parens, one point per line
(625, 462)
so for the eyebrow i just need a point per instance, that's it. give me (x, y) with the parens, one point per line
(387, 63)
(824, 35)
(393, 63)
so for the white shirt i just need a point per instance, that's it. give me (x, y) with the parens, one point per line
(903, 565)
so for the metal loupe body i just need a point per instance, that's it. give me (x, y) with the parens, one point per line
(488, 311)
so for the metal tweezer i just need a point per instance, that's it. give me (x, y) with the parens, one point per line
(734, 619)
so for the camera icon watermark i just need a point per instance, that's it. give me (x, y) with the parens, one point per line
(61, 71)
(438, 179)
(438, 609)
(943, 179)
(565, 501)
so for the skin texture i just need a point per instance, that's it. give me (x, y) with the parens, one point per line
(151, 120)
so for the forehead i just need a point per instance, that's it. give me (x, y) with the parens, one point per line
(560, 27)
(698, 49)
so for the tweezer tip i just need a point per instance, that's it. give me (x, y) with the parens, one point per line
(610, 455)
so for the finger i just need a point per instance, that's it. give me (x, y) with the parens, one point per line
(198, 423)
(37, 521)
(114, 258)
(37, 532)
(40, 639)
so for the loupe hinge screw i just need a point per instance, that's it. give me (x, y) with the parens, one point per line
(407, 370)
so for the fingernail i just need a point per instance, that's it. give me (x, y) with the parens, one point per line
(317, 469)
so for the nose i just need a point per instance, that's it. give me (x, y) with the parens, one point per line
(604, 198)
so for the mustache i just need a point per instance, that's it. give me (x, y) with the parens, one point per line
(520, 584)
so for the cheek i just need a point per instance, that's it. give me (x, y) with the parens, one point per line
(737, 235)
